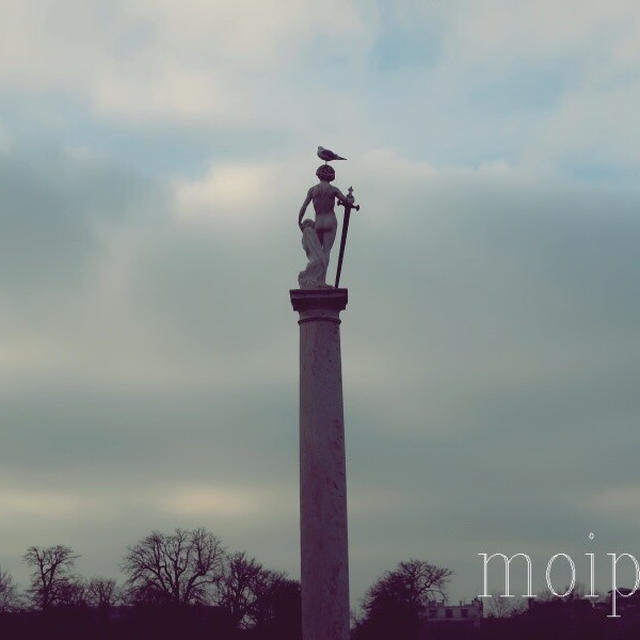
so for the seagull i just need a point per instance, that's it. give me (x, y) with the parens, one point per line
(327, 155)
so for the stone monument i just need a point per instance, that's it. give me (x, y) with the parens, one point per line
(323, 497)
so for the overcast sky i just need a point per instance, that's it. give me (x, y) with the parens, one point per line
(153, 158)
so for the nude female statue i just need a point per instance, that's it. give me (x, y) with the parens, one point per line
(324, 196)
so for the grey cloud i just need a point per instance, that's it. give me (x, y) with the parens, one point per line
(488, 355)
(51, 206)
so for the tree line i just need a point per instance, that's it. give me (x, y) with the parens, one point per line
(165, 575)
(187, 579)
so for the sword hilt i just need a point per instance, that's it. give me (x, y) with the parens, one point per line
(351, 201)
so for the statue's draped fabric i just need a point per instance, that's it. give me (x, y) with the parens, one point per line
(315, 273)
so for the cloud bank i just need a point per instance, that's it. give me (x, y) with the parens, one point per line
(153, 158)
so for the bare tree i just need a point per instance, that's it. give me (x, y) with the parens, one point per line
(395, 603)
(414, 584)
(236, 593)
(51, 577)
(9, 600)
(73, 593)
(247, 591)
(180, 568)
(102, 593)
(274, 592)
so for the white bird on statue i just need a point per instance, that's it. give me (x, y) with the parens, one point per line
(327, 155)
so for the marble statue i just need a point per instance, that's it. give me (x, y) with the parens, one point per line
(324, 553)
(323, 195)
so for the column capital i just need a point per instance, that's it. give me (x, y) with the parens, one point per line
(319, 305)
(327, 298)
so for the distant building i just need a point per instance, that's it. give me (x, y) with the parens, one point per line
(461, 615)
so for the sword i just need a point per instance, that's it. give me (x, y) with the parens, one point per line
(345, 229)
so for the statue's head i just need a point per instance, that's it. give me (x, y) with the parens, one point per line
(307, 222)
(326, 173)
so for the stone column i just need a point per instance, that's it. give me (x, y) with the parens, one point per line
(323, 497)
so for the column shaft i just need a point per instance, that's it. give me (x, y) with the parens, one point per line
(323, 500)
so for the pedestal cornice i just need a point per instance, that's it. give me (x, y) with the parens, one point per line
(319, 304)
(327, 298)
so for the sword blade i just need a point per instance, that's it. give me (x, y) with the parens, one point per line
(343, 242)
